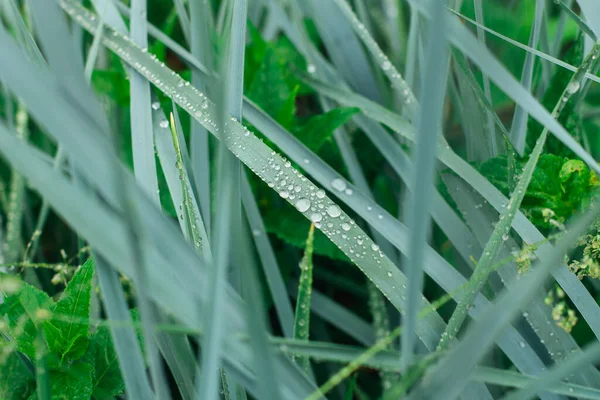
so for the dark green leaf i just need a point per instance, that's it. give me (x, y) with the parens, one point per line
(319, 129)
(73, 382)
(68, 331)
(107, 381)
(16, 381)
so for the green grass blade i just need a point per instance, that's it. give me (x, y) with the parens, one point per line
(184, 20)
(124, 338)
(302, 314)
(486, 82)
(268, 260)
(141, 119)
(201, 48)
(519, 122)
(420, 199)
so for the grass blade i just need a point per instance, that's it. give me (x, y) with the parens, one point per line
(517, 130)
(302, 315)
(419, 203)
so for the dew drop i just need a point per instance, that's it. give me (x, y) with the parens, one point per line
(374, 247)
(284, 194)
(334, 211)
(346, 226)
(338, 185)
(155, 105)
(573, 87)
(320, 194)
(316, 217)
(303, 205)
(164, 123)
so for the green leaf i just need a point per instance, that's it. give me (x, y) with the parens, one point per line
(269, 88)
(17, 381)
(107, 381)
(319, 128)
(68, 331)
(112, 84)
(73, 382)
(20, 310)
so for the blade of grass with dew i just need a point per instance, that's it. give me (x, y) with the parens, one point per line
(513, 379)
(424, 158)
(193, 227)
(266, 254)
(166, 253)
(590, 354)
(502, 230)
(142, 141)
(559, 344)
(201, 49)
(447, 379)
(302, 314)
(130, 358)
(519, 122)
(398, 84)
(193, 101)
(486, 81)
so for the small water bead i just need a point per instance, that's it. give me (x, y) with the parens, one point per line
(334, 211)
(321, 194)
(316, 217)
(297, 188)
(288, 164)
(311, 69)
(386, 65)
(155, 105)
(284, 194)
(389, 274)
(198, 114)
(505, 237)
(573, 87)
(374, 247)
(255, 232)
(164, 124)
(303, 205)
(346, 226)
(338, 184)
(522, 344)
(349, 192)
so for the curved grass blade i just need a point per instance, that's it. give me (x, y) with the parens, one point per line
(302, 315)
(591, 9)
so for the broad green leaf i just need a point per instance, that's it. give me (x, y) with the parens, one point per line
(318, 129)
(20, 310)
(107, 381)
(68, 331)
(16, 381)
(74, 382)
(269, 89)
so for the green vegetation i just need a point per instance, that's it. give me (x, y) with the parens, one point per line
(249, 199)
